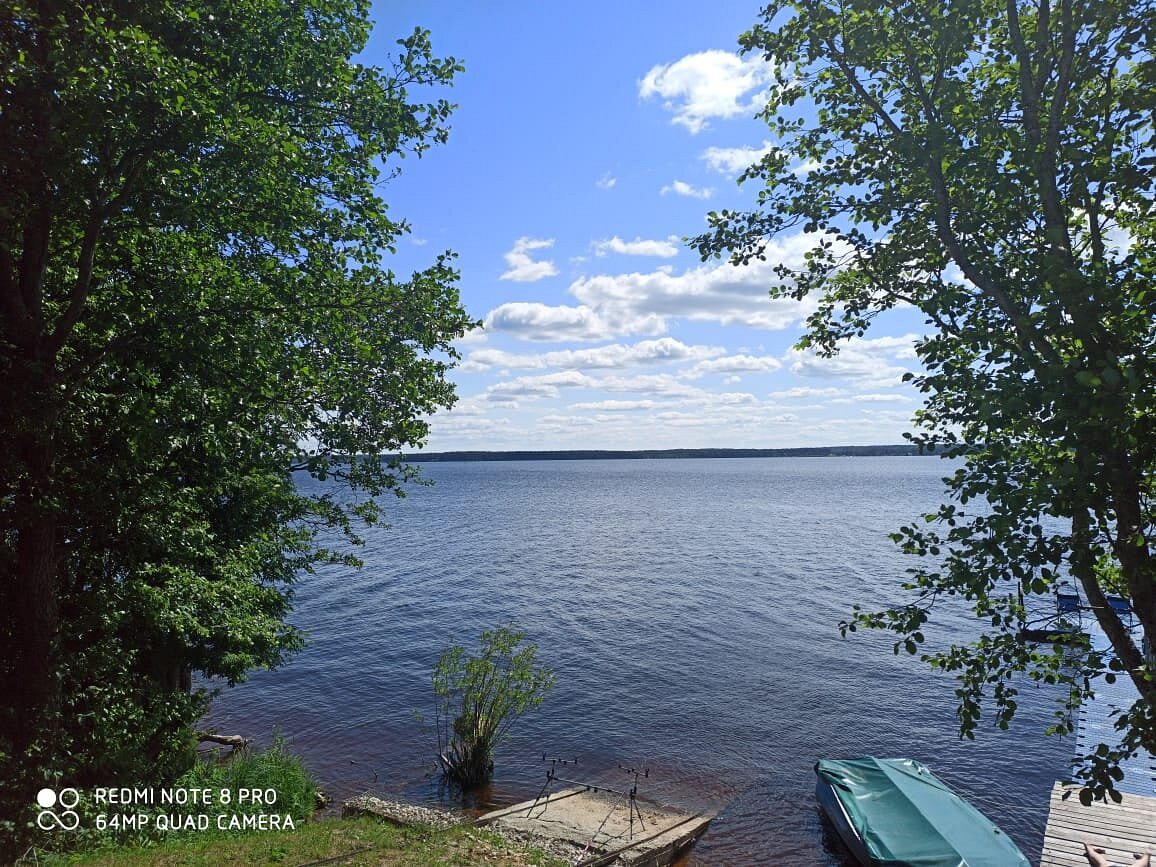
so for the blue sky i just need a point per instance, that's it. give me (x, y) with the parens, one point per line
(589, 139)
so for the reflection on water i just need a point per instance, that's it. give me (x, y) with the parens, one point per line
(690, 611)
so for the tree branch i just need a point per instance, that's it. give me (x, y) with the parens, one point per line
(1029, 335)
(1043, 157)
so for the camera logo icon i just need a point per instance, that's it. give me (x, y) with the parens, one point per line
(50, 817)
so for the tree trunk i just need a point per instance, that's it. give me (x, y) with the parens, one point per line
(33, 611)
(32, 598)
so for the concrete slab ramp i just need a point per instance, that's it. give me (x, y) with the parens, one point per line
(607, 827)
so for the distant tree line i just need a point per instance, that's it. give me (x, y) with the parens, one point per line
(667, 454)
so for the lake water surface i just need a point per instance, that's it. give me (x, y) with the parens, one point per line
(689, 609)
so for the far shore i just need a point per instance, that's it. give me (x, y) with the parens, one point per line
(904, 450)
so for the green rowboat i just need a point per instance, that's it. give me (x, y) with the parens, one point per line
(896, 813)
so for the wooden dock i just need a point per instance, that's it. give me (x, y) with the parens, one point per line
(1119, 829)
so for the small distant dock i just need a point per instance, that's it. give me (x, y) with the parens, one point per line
(605, 827)
(1119, 829)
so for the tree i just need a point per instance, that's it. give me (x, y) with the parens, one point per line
(479, 698)
(989, 164)
(193, 309)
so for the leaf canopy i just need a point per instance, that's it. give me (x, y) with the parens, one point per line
(991, 165)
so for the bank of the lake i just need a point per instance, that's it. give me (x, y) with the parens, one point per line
(358, 841)
(690, 609)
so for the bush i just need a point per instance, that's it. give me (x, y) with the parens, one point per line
(479, 699)
(270, 769)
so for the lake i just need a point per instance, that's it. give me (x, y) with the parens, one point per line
(690, 610)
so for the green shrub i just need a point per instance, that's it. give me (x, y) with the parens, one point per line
(479, 699)
(273, 768)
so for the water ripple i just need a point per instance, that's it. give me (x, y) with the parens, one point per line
(690, 610)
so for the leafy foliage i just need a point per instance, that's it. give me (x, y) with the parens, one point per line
(990, 164)
(294, 794)
(272, 768)
(479, 699)
(192, 308)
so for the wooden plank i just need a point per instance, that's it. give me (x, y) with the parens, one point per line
(1119, 829)
(1076, 858)
(1139, 826)
(1106, 818)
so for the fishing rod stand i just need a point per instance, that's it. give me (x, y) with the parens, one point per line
(552, 777)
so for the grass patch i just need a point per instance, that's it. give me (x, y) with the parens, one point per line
(363, 841)
(272, 770)
(242, 792)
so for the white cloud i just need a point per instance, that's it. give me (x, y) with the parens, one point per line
(638, 247)
(525, 269)
(474, 337)
(614, 405)
(734, 364)
(869, 361)
(805, 168)
(616, 355)
(709, 84)
(555, 423)
(532, 320)
(615, 305)
(654, 385)
(874, 397)
(805, 391)
(606, 182)
(536, 387)
(682, 188)
(721, 293)
(734, 161)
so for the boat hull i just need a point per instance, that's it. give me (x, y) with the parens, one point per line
(841, 821)
(896, 813)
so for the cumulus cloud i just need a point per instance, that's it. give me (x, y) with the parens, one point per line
(642, 303)
(606, 182)
(616, 355)
(681, 188)
(734, 364)
(613, 405)
(709, 84)
(536, 387)
(523, 267)
(654, 385)
(869, 361)
(532, 320)
(734, 161)
(805, 168)
(804, 392)
(874, 397)
(465, 428)
(642, 387)
(556, 423)
(638, 247)
(721, 292)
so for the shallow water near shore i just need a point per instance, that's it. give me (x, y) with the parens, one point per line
(690, 610)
